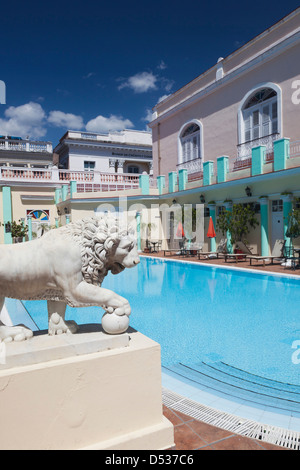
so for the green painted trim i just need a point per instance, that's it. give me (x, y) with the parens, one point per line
(7, 211)
(64, 192)
(144, 184)
(182, 179)
(172, 181)
(281, 153)
(208, 169)
(222, 169)
(58, 195)
(161, 183)
(287, 209)
(264, 228)
(29, 224)
(258, 159)
(138, 231)
(73, 188)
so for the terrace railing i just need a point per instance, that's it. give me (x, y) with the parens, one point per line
(17, 145)
(86, 180)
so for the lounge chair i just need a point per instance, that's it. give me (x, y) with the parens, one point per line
(220, 251)
(277, 254)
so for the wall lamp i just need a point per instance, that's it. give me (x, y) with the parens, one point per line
(202, 199)
(248, 191)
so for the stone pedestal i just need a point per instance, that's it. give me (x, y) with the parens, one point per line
(85, 391)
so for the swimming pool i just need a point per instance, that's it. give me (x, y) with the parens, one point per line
(205, 313)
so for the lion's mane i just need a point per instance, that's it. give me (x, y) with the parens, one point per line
(96, 237)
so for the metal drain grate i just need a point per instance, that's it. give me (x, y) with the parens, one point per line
(244, 427)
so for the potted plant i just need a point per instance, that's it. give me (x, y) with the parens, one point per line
(237, 222)
(18, 231)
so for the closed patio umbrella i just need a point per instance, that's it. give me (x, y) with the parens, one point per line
(211, 229)
(180, 231)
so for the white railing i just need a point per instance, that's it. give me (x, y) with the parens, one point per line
(25, 145)
(86, 180)
(192, 166)
(244, 151)
(25, 174)
(295, 148)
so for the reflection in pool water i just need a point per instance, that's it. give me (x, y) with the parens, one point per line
(204, 313)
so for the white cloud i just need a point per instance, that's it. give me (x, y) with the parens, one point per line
(106, 124)
(66, 120)
(162, 98)
(148, 116)
(141, 82)
(162, 65)
(89, 75)
(27, 119)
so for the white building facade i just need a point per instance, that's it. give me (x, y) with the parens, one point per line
(128, 151)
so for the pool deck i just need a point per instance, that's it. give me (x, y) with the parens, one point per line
(195, 434)
(192, 434)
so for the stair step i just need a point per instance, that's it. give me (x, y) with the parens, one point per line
(225, 379)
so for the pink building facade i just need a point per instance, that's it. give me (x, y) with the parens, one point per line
(247, 99)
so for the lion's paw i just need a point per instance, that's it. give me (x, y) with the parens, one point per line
(14, 333)
(58, 326)
(120, 308)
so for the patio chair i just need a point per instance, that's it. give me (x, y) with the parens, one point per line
(290, 260)
(220, 251)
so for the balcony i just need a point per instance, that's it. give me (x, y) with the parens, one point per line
(87, 181)
(244, 150)
(19, 145)
(192, 166)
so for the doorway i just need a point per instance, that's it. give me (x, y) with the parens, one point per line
(277, 222)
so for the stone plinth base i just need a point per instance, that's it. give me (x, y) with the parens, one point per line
(98, 397)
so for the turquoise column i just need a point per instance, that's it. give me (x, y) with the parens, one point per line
(172, 181)
(228, 207)
(208, 171)
(287, 209)
(56, 222)
(264, 226)
(58, 195)
(182, 179)
(67, 218)
(144, 183)
(161, 183)
(64, 192)
(138, 231)
(222, 169)
(258, 160)
(212, 214)
(73, 188)
(281, 153)
(29, 224)
(7, 212)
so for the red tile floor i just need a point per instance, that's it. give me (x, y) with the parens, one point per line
(190, 434)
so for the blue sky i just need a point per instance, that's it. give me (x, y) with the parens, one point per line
(101, 66)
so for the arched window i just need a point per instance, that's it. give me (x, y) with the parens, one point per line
(190, 143)
(259, 114)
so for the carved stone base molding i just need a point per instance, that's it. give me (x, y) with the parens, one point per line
(79, 398)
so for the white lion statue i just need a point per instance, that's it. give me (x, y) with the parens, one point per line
(66, 266)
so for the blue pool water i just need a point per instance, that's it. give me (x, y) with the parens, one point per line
(203, 313)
